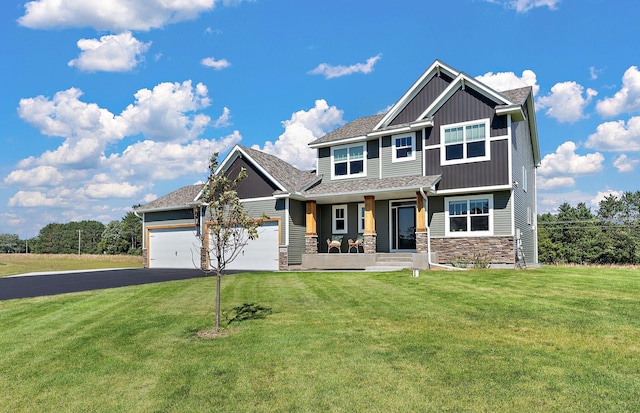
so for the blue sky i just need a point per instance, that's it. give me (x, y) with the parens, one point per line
(110, 104)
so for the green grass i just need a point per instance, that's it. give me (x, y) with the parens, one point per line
(13, 264)
(552, 339)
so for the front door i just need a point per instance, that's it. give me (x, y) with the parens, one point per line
(403, 226)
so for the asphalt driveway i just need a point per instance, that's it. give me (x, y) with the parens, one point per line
(37, 285)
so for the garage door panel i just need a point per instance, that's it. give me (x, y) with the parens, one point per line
(174, 248)
(260, 253)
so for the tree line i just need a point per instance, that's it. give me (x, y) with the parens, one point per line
(84, 237)
(576, 235)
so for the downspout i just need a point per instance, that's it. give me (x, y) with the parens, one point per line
(431, 263)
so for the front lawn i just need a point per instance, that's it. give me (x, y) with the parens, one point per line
(13, 264)
(552, 339)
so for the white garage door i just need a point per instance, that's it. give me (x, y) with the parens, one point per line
(174, 248)
(260, 253)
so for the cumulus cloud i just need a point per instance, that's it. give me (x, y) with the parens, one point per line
(601, 195)
(330, 72)
(555, 182)
(161, 113)
(40, 175)
(224, 120)
(34, 199)
(523, 6)
(624, 164)
(566, 102)
(502, 81)
(113, 15)
(215, 64)
(566, 162)
(627, 99)
(302, 128)
(616, 136)
(112, 53)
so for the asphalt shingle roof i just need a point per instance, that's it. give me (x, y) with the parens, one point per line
(180, 198)
(372, 185)
(517, 96)
(358, 127)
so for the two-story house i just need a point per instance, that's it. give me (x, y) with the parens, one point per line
(446, 175)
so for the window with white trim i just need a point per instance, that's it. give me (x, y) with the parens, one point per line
(465, 142)
(348, 161)
(360, 218)
(339, 219)
(404, 148)
(471, 215)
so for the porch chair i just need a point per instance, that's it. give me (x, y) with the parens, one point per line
(357, 243)
(334, 242)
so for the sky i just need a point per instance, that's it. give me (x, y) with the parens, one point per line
(109, 104)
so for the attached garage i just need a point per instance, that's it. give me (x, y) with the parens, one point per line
(174, 247)
(260, 253)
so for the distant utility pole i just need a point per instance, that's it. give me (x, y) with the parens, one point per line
(79, 238)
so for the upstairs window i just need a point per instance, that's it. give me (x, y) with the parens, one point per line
(465, 142)
(469, 216)
(404, 148)
(348, 161)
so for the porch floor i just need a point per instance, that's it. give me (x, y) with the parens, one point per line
(369, 262)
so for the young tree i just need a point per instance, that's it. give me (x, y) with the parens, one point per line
(228, 227)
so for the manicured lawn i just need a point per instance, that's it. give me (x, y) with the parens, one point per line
(12, 264)
(552, 339)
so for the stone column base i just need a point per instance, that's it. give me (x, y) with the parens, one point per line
(311, 244)
(422, 242)
(370, 243)
(204, 262)
(145, 261)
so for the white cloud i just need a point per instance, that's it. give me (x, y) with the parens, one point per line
(566, 103)
(40, 175)
(627, 99)
(555, 182)
(302, 128)
(624, 164)
(223, 121)
(108, 190)
(111, 53)
(502, 81)
(601, 195)
(151, 161)
(215, 64)
(160, 114)
(565, 161)
(523, 6)
(330, 72)
(616, 136)
(34, 199)
(113, 15)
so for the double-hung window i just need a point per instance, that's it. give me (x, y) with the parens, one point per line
(465, 142)
(339, 219)
(404, 148)
(469, 215)
(348, 161)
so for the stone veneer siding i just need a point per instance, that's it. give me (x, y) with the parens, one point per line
(501, 249)
(283, 258)
(145, 263)
(370, 241)
(422, 242)
(311, 244)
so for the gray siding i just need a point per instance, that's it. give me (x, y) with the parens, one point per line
(297, 231)
(436, 216)
(176, 217)
(382, 226)
(373, 161)
(273, 208)
(473, 174)
(423, 99)
(406, 168)
(255, 185)
(524, 201)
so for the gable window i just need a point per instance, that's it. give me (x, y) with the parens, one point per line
(465, 142)
(339, 219)
(404, 148)
(348, 161)
(469, 215)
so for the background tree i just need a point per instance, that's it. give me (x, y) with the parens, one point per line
(228, 227)
(112, 241)
(131, 231)
(11, 243)
(68, 238)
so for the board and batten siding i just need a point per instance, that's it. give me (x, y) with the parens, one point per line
(427, 95)
(297, 231)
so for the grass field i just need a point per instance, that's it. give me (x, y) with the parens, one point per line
(13, 264)
(551, 339)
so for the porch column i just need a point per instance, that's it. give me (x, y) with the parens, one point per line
(370, 236)
(421, 225)
(311, 236)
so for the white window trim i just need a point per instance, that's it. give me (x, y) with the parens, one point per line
(487, 148)
(360, 218)
(468, 233)
(394, 151)
(349, 175)
(333, 219)
(525, 186)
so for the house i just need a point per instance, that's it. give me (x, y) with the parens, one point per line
(447, 174)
